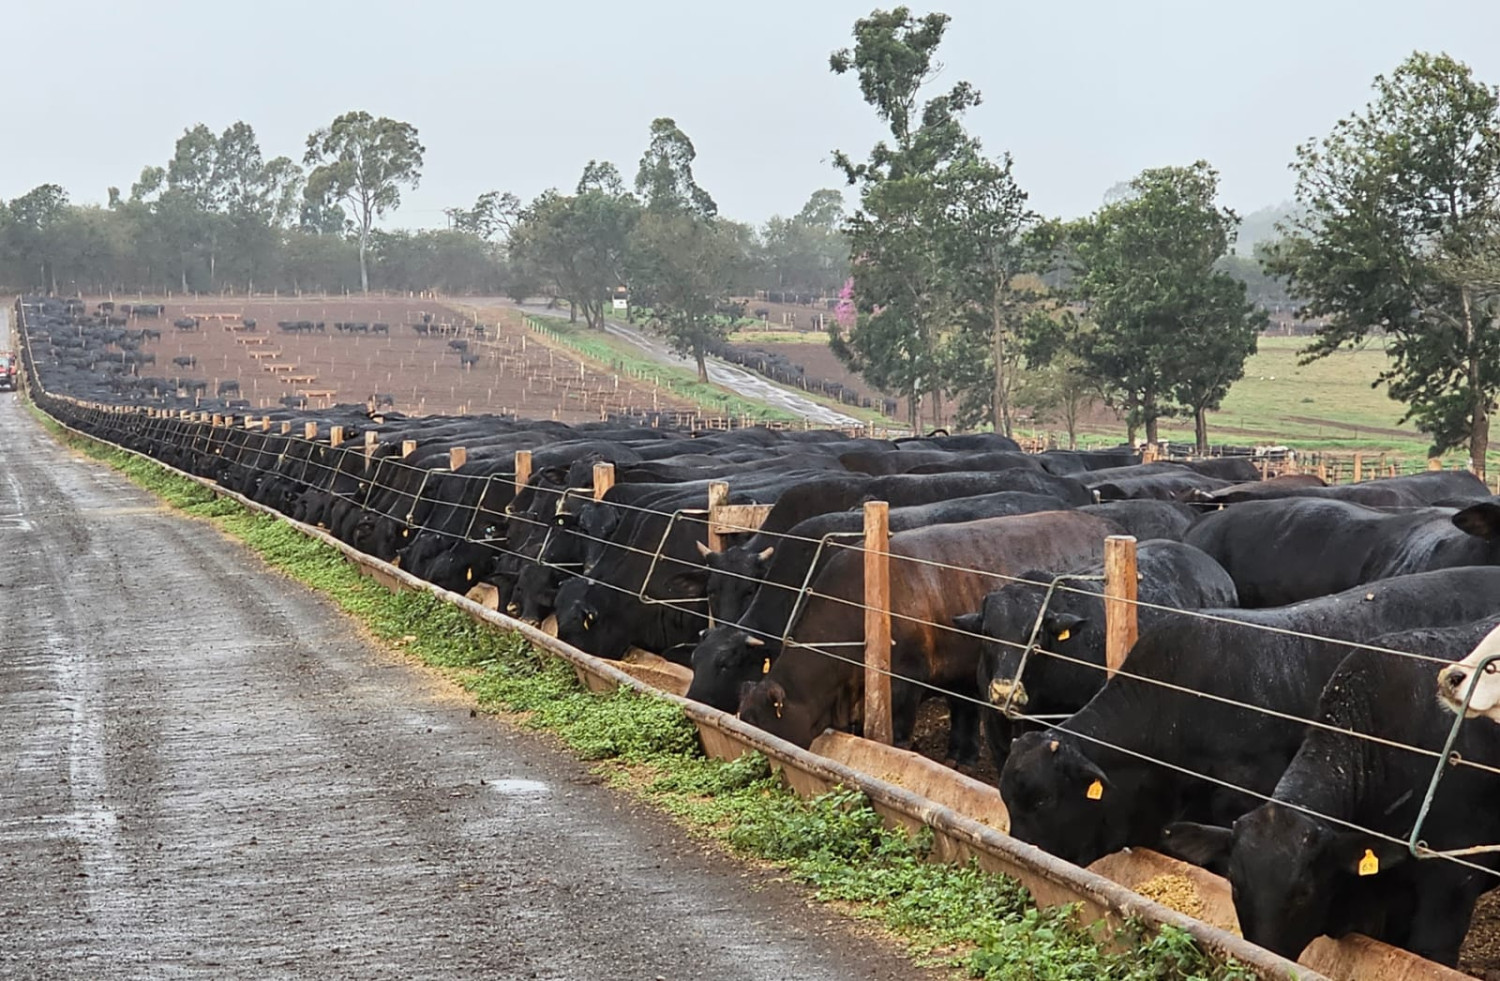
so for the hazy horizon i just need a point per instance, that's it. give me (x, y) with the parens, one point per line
(518, 98)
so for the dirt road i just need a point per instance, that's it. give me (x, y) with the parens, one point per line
(209, 774)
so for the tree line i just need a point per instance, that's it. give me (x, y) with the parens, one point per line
(961, 291)
(953, 292)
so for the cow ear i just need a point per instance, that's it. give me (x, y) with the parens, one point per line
(1204, 845)
(1061, 626)
(1480, 520)
(1358, 854)
(1082, 770)
(554, 475)
(970, 622)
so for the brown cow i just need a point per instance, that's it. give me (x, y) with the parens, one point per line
(808, 689)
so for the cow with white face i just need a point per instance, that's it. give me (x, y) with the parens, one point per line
(1481, 671)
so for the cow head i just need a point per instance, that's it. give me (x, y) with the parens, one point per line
(1287, 871)
(1478, 672)
(1060, 800)
(1068, 628)
(535, 595)
(724, 661)
(734, 575)
(766, 705)
(586, 618)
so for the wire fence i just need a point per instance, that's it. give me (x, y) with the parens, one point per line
(449, 494)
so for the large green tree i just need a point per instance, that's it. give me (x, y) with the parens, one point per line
(1399, 234)
(1172, 330)
(363, 162)
(664, 180)
(808, 252)
(683, 261)
(577, 243)
(991, 243)
(32, 227)
(904, 236)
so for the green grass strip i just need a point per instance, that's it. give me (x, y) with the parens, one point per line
(959, 916)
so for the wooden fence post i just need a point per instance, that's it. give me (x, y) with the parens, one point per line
(604, 479)
(1120, 582)
(523, 469)
(457, 457)
(372, 440)
(1435, 463)
(286, 429)
(1359, 467)
(878, 726)
(718, 496)
(335, 435)
(309, 430)
(408, 447)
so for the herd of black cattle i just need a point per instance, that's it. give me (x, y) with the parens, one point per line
(1195, 748)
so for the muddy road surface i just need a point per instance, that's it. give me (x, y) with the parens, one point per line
(209, 774)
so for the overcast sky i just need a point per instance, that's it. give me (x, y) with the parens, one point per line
(519, 96)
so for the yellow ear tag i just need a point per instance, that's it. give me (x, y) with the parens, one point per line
(766, 667)
(778, 710)
(1065, 635)
(1369, 865)
(1096, 790)
(469, 574)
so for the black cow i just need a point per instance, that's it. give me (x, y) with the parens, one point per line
(1093, 785)
(1412, 490)
(1355, 544)
(1299, 870)
(1146, 518)
(1072, 628)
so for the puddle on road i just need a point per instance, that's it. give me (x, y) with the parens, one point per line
(517, 787)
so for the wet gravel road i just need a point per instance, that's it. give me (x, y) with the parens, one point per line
(207, 773)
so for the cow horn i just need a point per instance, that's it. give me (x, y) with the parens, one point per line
(766, 553)
(754, 642)
(704, 550)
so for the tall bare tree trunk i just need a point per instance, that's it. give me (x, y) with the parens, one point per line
(364, 272)
(1479, 422)
(1200, 429)
(1001, 408)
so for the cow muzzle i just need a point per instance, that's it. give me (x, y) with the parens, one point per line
(1003, 689)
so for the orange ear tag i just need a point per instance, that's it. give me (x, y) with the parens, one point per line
(1369, 865)
(1064, 635)
(1096, 790)
(766, 667)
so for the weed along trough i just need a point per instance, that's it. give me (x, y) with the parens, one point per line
(394, 486)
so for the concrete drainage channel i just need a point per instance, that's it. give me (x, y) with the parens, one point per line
(967, 818)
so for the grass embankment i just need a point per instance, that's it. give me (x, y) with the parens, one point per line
(981, 924)
(618, 356)
(715, 400)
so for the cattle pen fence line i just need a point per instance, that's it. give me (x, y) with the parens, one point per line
(213, 435)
